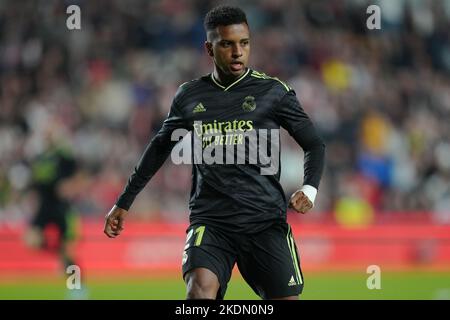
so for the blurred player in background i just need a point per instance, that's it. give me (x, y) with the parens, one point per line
(54, 181)
(238, 214)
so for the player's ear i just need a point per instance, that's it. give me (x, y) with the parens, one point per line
(208, 47)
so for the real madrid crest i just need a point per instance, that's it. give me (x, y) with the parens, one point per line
(249, 103)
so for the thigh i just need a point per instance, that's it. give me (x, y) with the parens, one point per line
(270, 264)
(207, 247)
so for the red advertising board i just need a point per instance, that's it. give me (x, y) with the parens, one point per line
(158, 246)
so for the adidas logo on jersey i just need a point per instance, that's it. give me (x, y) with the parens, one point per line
(292, 282)
(199, 108)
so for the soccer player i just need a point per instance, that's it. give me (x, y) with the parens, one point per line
(237, 214)
(54, 172)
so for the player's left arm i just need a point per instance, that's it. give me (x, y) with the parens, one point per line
(294, 119)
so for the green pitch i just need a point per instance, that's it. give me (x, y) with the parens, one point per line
(319, 285)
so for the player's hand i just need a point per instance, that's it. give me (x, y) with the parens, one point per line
(114, 222)
(300, 202)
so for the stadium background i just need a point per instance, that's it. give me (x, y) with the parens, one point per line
(380, 98)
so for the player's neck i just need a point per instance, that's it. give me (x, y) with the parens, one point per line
(224, 79)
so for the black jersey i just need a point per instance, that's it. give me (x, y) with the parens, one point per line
(48, 170)
(233, 195)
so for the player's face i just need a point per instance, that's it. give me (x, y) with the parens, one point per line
(230, 48)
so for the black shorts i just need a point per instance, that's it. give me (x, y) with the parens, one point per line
(60, 216)
(268, 261)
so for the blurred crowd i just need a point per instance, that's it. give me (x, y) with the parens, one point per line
(380, 98)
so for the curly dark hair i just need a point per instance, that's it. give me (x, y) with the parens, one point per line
(224, 16)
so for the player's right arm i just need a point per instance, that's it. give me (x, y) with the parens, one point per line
(151, 160)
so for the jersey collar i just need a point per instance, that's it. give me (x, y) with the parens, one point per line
(232, 84)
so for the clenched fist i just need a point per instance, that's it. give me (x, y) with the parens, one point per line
(114, 222)
(300, 202)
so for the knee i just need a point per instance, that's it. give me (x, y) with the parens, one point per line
(198, 288)
(201, 290)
